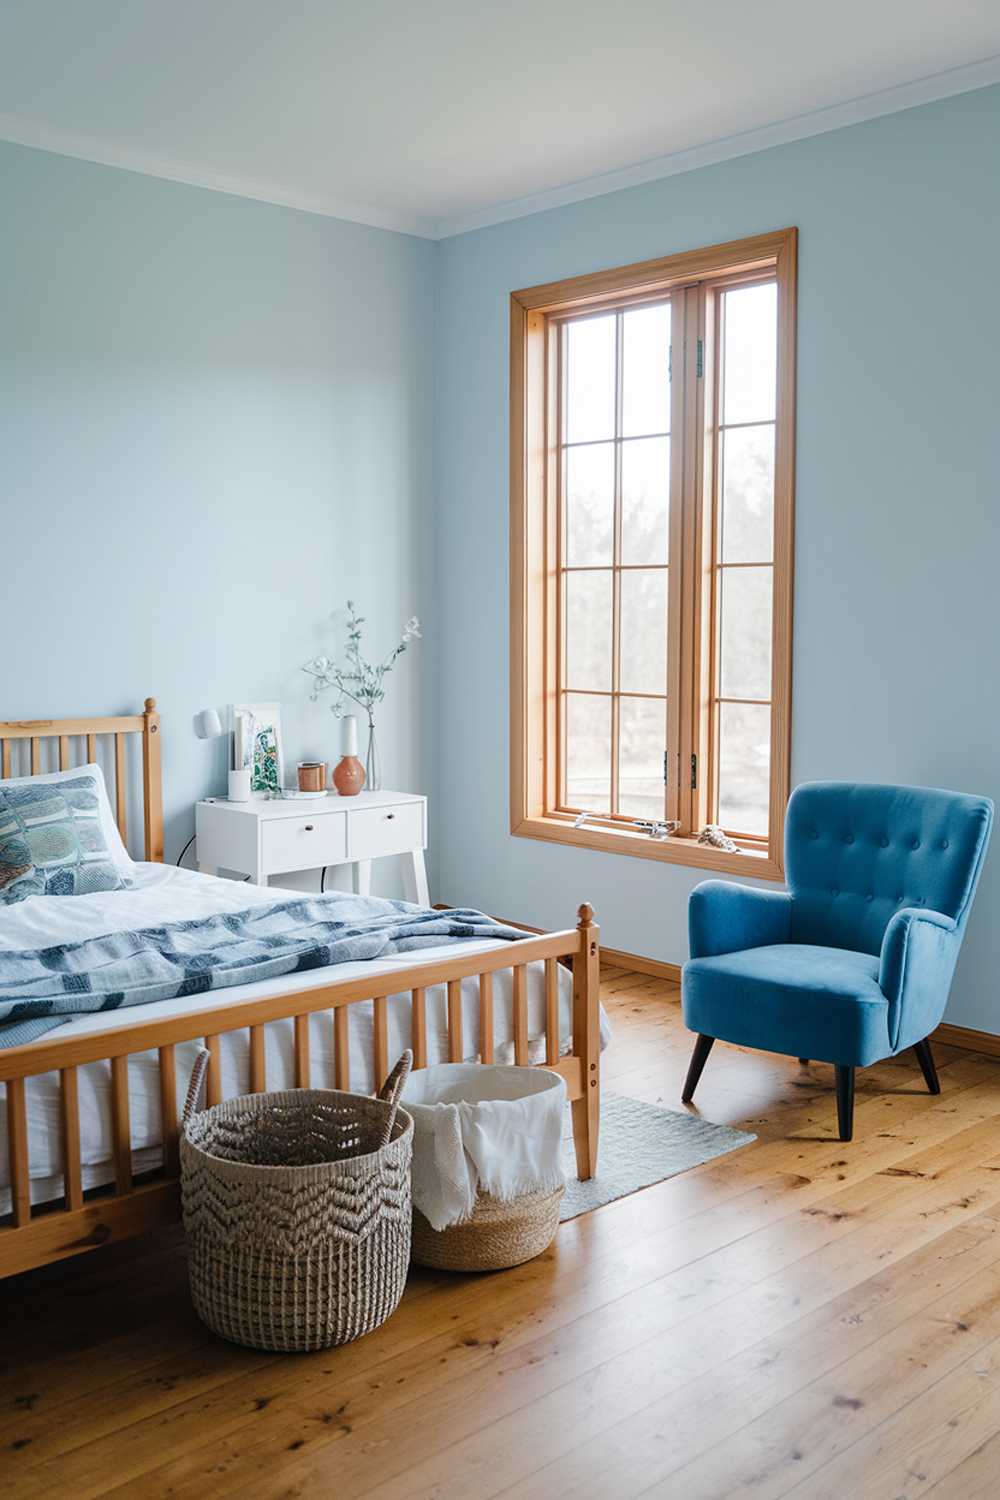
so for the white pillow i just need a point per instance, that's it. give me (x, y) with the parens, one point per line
(116, 849)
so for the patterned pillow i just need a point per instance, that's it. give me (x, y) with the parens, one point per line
(51, 842)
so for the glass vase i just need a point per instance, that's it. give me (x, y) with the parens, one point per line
(373, 763)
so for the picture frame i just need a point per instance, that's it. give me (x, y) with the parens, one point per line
(257, 744)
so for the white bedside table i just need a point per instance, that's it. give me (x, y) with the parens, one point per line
(262, 838)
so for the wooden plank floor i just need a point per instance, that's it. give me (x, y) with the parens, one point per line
(798, 1318)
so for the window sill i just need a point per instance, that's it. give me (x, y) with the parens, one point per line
(676, 851)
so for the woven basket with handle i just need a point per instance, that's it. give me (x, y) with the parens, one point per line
(297, 1212)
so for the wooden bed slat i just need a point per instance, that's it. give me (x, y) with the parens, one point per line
(121, 815)
(92, 747)
(455, 1040)
(17, 1142)
(302, 1065)
(418, 1026)
(120, 1126)
(168, 1107)
(341, 1048)
(5, 758)
(213, 1080)
(520, 1015)
(64, 752)
(381, 1035)
(258, 1065)
(486, 1018)
(36, 755)
(551, 1010)
(69, 1108)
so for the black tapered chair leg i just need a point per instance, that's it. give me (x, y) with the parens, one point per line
(926, 1060)
(699, 1057)
(845, 1101)
(803, 1062)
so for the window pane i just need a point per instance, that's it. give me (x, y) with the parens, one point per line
(588, 630)
(747, 494)
(746, 633)
(644, 630)
(645, 500)
(749, 353)
(646, 370)
(744, 761)
(642, 738)
(590, 504)
(588, 752)
(590, 379)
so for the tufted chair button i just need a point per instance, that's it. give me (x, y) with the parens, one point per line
(884, 842)
(868, 896)
(944, 843)
(849, 838)
(914, 843)
(834, 891)
(899, 897)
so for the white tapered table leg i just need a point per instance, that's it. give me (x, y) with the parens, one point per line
(361, 877)
(415, 878)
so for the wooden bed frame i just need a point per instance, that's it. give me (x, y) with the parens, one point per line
(84, 1221)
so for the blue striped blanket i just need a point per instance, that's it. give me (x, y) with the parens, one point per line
(45, 987)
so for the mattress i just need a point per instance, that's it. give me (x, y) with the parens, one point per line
(163, 893)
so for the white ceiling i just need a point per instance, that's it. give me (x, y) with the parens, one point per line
(434, 116)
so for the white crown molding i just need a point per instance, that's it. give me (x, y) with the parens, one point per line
(23, 132)
(927, 90)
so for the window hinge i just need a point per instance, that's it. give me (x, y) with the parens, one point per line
(694, 773)
(666, 763)
(701, 359)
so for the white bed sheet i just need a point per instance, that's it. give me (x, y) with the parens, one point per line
(163, 893)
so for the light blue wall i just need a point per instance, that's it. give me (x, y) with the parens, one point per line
(215, 425)
(898, 503)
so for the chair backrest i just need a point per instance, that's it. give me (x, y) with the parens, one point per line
(856, 854)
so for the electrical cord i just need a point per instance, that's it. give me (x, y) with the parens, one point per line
(187, 847)
(322, 879)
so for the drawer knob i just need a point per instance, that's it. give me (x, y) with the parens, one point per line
(389, 817)
(308, 828)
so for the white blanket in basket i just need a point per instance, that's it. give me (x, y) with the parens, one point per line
(492, 1128)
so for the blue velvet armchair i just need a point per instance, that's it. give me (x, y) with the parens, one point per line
(853, 962)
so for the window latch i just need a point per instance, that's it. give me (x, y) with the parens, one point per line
(694, 773)
(701, 359)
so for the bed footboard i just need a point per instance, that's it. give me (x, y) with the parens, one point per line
(33, 1236)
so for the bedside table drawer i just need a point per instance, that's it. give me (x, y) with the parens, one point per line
(303, 843)
(375, 831)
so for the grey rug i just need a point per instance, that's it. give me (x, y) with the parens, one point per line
(641, 1144)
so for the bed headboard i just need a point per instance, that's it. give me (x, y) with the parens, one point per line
(88, 731)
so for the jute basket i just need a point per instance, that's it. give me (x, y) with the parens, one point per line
(498, 1234)
(297, 1212)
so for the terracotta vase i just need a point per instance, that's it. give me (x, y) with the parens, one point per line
(349, 776)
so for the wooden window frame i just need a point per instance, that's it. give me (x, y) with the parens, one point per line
(695, 279)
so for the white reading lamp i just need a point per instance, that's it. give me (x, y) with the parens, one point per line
(208, 726)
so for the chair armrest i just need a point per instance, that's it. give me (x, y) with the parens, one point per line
(725, 918)
(919, 949)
